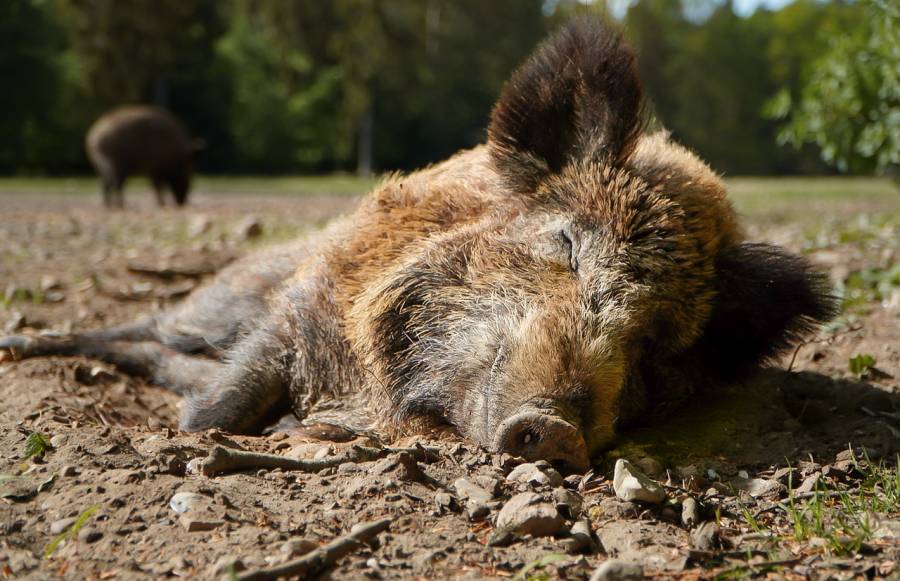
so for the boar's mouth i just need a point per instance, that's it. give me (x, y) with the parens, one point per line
(535, 432)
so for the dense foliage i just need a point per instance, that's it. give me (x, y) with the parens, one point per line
(300, 86)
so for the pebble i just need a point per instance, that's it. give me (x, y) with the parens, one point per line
(613, 508)
(193, 467)
(60, 526)
(631, 484)
(615, 570)
(199, 225)
(690, 512)
(248, 228)
(568, 503)
(444, 502)
(468, 490)
(477, 510)
(58, 440)
(706, 537)
(89, 535)
(580, 538)
(649, 465)
(182, 502)
(527, 514)
(194, 524)
(535, 475)
(227, 565)
(297, 547)
(759, 487)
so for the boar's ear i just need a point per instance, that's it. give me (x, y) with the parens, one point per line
(577, 97)
(768, 300)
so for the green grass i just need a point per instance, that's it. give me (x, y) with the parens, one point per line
(335, 184)
(843, 518)
(750, 194)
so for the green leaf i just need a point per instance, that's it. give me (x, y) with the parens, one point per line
(538, 563)
(861, 364)
(36, 445)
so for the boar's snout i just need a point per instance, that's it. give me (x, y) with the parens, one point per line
(543, 435)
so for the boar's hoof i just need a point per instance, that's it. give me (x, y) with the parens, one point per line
(538, 435)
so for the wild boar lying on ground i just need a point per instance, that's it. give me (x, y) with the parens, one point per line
(141, 140)
(536, 292)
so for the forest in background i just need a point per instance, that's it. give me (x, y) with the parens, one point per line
(301, 86)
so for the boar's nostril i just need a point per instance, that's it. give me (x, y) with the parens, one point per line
(542, 435)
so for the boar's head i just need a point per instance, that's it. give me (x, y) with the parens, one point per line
(611, 274)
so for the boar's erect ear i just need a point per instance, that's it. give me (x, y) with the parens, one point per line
(577, 97)
(768, 300)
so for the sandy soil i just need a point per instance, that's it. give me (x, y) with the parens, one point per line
(98, 502)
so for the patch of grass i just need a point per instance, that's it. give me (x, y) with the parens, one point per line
(869, 285)
(71, 532)
(843, 518)
(332, 184)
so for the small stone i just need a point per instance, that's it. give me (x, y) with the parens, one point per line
(568, 503)
(248, 228)
(535, 474)
(613, 508)
(615, 570)
(632, 485)
(54, 297)
(199, 225)
(182, 502)
(60, 526)
(294, 548)
(194, 466)
(15, 323)
(690, 512)
(759, 487)
(445, 502)
(89, 535)
(649, 465)
(68, 471)
(227, 565)
(50, 282)
(707, 537)
(58, 441)
(580, 538)
(527, 514)
(468, 490)
(488, 483)
(477, 511)
(194, 524)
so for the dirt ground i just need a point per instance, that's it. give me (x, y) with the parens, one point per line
(792, 473)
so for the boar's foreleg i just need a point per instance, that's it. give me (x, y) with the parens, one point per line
(245, 391)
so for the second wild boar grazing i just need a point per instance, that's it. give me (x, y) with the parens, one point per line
(536, 292)
(141, 140)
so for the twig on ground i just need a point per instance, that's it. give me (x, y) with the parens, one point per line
(325, 556)
(222, 459)
(814, 340)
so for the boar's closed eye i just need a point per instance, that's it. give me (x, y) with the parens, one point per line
(569, 249)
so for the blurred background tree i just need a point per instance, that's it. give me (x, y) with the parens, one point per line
(298, 86)
(850, 104)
